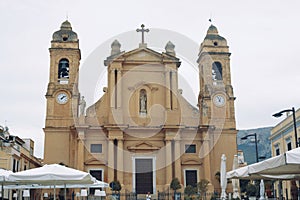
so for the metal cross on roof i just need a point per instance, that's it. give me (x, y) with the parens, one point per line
(143, 31)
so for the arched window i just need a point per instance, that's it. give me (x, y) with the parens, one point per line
(143, 101)
(217, 71)
(63, 69)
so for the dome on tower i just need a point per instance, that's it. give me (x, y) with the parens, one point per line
(65, 34)
(66, 25)
(212, 30)
(213, 38)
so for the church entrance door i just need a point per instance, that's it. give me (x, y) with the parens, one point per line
(144, 175)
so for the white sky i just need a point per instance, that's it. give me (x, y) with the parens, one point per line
(263, 37)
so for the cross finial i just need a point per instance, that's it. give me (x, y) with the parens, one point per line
(143, 31)
(210, 19)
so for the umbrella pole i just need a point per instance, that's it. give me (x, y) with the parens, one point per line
(2, 192)
(54, 195)
(65, 192)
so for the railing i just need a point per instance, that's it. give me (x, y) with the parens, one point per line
(165, 195)
(119, 196)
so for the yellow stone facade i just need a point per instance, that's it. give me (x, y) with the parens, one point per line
(17, 154)
(142, 131)
(282, 140)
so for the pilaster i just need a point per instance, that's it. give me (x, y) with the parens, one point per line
(80, 156)
(120, 160)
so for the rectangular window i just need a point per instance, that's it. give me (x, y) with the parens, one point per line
(288, 143)
(277, 150)
(98, 175)
(14, 165)
(96, 148)
(17, 167)
(191, 177)
(190, 148)
(289, 146)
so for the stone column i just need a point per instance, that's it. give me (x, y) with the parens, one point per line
(168, 96)
(120, 161)
(112, 88)
(174, 89)
(168, 162)
(110, 159)
(119, 88)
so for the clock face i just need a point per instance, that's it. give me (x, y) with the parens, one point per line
(219, 100)
(62, 98)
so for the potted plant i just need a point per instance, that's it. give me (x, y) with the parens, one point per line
(175, 185)
(202, 186)
(116, 187)
(189, 191)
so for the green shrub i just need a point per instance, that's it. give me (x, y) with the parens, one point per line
(175, 184)
(115, 186)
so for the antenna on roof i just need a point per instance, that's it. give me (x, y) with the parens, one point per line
(67, 16)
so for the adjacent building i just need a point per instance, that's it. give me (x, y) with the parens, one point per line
(283, 139)
(16, 154)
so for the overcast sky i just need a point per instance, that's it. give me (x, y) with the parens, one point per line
(263, 37)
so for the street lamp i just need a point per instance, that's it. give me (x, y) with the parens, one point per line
(279, 114)
(255, 136)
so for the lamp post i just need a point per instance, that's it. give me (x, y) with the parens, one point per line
(279, 114)
(255, 136)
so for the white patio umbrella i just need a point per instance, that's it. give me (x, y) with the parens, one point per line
(235, 182)
(223, 178)
(97, 184)
(243, 173)
(53, 174)
(284, 166)
(4, 179)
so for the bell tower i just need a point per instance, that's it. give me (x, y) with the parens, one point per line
(216, 102)
(62, 94)
(215, 79)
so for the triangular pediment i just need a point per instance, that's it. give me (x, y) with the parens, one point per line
(143, 55)
(191, 161)
(143, 146)
(94, 161)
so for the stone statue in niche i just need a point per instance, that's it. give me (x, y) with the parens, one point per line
(204, 108)
(229, 90)
(143, 101)
(82, 105)
(207, 90)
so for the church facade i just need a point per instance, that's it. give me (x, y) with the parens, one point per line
(142, 131)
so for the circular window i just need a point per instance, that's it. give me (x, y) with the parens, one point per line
(215, 43)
